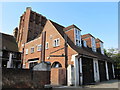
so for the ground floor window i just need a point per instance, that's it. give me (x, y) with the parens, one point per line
(32, 64)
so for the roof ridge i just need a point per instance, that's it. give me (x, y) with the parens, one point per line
(56, 23)
(6, 34)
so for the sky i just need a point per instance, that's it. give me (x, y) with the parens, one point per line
(98, 18)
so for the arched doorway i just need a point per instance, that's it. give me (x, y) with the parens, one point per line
(56, 65)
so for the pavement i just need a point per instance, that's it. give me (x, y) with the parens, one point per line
(104, 84)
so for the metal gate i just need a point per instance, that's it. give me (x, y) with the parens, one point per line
(88, 74)
(102, 70)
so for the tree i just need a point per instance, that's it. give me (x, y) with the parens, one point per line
(114, 55)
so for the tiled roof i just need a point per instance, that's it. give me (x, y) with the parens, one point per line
(98, 40)
(87, 35)
(80, 50)
(70, 27)
(8, 42)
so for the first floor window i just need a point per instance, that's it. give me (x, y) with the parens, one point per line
(26, 51)
(46, 45)
(56, 42)
(39, 47)
(32, 50)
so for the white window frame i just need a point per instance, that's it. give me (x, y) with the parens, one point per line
(39, 47)
(31, 62)
(77, 37)
(47, 45)
(57, 42)
(26, 51)
(31, 50)
(102, 48)
(84, 43)
(93, 44)
(1, 53)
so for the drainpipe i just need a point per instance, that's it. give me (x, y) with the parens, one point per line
(43, 43)
(66, 55)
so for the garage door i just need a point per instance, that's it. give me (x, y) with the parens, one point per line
(102, 70)
(88, 74)
(110, 71)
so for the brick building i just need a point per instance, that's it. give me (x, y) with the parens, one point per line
(30, 26)
(9, 52)
(85, 63)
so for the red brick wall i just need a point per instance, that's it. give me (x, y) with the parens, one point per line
(58, 76)
(50, 31)
(31, 25)
(88, 41)
(70, 34)
(24, 78)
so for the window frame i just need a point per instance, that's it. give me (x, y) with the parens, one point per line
(31, 50)
(26, 51)
(56, 42)
(39, 47)
(46, 45)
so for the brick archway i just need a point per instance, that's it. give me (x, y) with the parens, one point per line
(56, 65)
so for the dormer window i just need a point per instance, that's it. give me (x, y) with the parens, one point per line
(101, 47)
(93, 44)
(77, 37)
(84, 43)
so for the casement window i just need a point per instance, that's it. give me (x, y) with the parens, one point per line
(77, 37)
(32, 50)
(102, 49)
(93, 44)
(26, 51)
(32, 64)
(47, 45)
(1, 53)
(84, 43)
(56, 42)
(39, 47)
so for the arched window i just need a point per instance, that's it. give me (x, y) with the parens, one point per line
(56, 65)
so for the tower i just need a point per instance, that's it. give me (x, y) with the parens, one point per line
(15, 32)
(30, 26)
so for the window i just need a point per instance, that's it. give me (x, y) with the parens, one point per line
(56, 65)
(93, 44)
(56, 42)
(46, 45)
(32, 50)
(26, 51)
(77, 37)
(84, 43)
(14, 55)
(101, 46)
(1, 53)
(39, 47)
(32, 64)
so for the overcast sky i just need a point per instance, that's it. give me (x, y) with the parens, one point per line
(98, 18)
